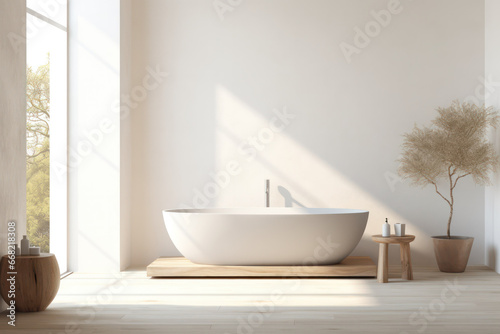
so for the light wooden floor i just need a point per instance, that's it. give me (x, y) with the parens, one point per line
(132, 303)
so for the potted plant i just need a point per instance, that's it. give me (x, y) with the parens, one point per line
(453, 147)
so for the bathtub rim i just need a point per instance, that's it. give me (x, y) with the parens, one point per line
(262, 213)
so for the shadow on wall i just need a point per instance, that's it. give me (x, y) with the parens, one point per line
(287, 196)
(492, 256)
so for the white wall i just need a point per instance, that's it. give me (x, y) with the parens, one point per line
(492, 73)
(12, 119)
(125, 136)
(227, 76)
(95, 142)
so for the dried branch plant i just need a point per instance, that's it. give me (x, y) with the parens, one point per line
(454, 147)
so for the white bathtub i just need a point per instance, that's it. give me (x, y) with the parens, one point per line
(265, 236)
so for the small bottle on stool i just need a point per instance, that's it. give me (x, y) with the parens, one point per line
(25, 246)
(386, 229)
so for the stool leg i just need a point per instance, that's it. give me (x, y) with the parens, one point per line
(407, 272)
(383, 263)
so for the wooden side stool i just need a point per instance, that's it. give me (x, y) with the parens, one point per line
(383, 256)
(37, 280)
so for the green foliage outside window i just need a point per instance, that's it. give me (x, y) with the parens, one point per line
(38, 156)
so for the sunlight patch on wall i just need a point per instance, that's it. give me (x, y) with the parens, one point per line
(303, 178)
(98, 43)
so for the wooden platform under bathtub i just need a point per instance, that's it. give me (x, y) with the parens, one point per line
(177, 267)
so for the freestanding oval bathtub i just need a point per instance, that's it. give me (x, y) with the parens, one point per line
(265, 236)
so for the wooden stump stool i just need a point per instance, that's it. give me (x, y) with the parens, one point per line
(383, 256)
(36, 281)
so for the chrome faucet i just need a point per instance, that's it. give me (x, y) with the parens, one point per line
(267, 193)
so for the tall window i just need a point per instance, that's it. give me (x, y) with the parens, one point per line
(46, 128)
